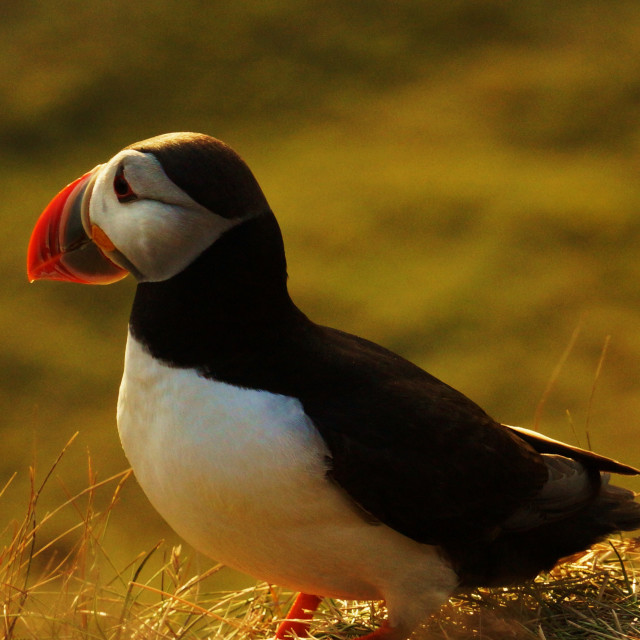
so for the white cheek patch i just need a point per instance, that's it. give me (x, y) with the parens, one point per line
(161, 240)
(163, 230)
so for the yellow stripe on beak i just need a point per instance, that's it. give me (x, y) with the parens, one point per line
(101, 238)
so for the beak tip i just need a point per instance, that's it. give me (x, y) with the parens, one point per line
(32, 274)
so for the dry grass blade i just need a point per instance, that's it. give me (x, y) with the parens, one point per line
(596, 378)
(556, 374)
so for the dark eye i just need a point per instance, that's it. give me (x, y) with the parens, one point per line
(123, 189)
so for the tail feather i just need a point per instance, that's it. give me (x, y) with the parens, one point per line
(619, 507)
(519, 552)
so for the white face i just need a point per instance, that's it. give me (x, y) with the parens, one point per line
(161, 230)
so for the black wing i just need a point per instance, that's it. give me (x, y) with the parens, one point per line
(413, 452)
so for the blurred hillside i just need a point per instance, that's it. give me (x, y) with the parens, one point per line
(458, 181)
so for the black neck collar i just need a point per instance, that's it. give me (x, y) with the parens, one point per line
(229, 301)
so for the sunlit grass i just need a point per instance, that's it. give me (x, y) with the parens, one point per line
(80, 594)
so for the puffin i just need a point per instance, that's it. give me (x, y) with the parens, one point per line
(297, 453)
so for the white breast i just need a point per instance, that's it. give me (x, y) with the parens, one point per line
(240, 474)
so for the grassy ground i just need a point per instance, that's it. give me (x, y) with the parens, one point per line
(159, 595)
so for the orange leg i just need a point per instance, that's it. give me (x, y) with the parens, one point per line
(297, 619)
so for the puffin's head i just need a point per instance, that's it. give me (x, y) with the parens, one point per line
(150, 211)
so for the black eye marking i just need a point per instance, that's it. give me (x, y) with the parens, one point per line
(122, 188)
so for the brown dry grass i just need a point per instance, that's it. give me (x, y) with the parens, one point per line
(80, 594)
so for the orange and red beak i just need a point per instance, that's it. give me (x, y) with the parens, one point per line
(63, 244)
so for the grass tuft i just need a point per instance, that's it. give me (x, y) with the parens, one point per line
(78, 593)
(592, 595)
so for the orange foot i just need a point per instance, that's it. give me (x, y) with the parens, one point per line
(297, 620)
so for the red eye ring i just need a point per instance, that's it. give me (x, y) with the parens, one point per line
(122, 188)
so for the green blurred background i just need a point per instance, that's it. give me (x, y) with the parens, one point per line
(459, 181)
